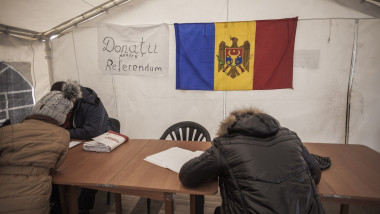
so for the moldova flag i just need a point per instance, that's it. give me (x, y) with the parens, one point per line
(251, 55)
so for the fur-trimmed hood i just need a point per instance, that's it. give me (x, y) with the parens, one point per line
(249, 121)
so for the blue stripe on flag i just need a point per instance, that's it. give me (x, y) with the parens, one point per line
(195, 45)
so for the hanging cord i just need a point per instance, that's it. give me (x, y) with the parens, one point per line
(34, 83)
(114, 94)
(351, 79)
(88, 3)
(34, 75)
(225, 92)
(49, 58)
(76, 64)
(75, 54)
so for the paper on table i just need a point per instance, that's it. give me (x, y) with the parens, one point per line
(74, 143)
(173, 158)
(105, 142)
(95, 146)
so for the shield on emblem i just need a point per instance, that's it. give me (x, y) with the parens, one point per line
(234, 56)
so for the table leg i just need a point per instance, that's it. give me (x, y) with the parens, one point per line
(344, 209)
(169, 203)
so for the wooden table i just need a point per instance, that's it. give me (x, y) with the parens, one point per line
(124, 171)
(354, 175)
(353, 178)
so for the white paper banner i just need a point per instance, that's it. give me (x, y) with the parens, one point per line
(133, 50)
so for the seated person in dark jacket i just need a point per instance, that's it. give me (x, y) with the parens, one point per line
(87, 120)
(262, 167)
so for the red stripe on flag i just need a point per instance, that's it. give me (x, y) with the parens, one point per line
(274, 50)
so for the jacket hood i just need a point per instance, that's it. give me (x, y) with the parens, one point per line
(250, 121)
(89, 95)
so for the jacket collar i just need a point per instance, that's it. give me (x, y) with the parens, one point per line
(88, 95)
(249, 121)
(42, 118)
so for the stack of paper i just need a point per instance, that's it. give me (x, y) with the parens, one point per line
(94, 146)
(173, 158)
(105, 142)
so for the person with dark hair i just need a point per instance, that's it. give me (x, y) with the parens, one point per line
(262, 167)
(88, 119)
(31, 150)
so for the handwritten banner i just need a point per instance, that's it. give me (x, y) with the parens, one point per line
(133, 50)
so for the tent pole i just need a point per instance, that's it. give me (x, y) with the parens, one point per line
(350, 82)
(19, 32)
(49, 59)
(60, 29)
(63, 27)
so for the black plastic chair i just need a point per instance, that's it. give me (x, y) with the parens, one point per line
(185, 131)
(117, 124)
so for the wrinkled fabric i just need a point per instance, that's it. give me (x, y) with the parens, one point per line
(90, 118)
(28, 151)
(261, 168)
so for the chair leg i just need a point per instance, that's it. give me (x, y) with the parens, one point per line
(118, 205)
(199, 204)
(148, 204)
(108, 198)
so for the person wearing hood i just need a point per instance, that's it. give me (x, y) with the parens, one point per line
(31, 150)
(88, 119)
(262, 167)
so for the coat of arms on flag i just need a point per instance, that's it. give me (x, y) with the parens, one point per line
(233, 60)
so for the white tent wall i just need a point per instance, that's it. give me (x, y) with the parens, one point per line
(315, 108)
(36, 12)
(365, 102)
(14, 49)
(145, 106)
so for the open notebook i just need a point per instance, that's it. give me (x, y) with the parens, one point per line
(173, 158)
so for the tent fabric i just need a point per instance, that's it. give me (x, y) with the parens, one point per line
(316, 107)
(16, 51)
(42, 15)
(364, 104)
(251, 55)
(16, 94)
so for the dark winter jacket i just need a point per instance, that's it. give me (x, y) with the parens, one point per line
(262, 167)
(90, 118)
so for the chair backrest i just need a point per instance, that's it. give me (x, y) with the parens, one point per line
(186, 131)
(115, 122)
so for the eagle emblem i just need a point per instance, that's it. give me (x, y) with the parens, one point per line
(234, 58)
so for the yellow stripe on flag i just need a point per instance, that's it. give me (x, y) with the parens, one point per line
(234, 76)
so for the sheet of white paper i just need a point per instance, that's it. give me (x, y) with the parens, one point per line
(173, 158)
(74, 143)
